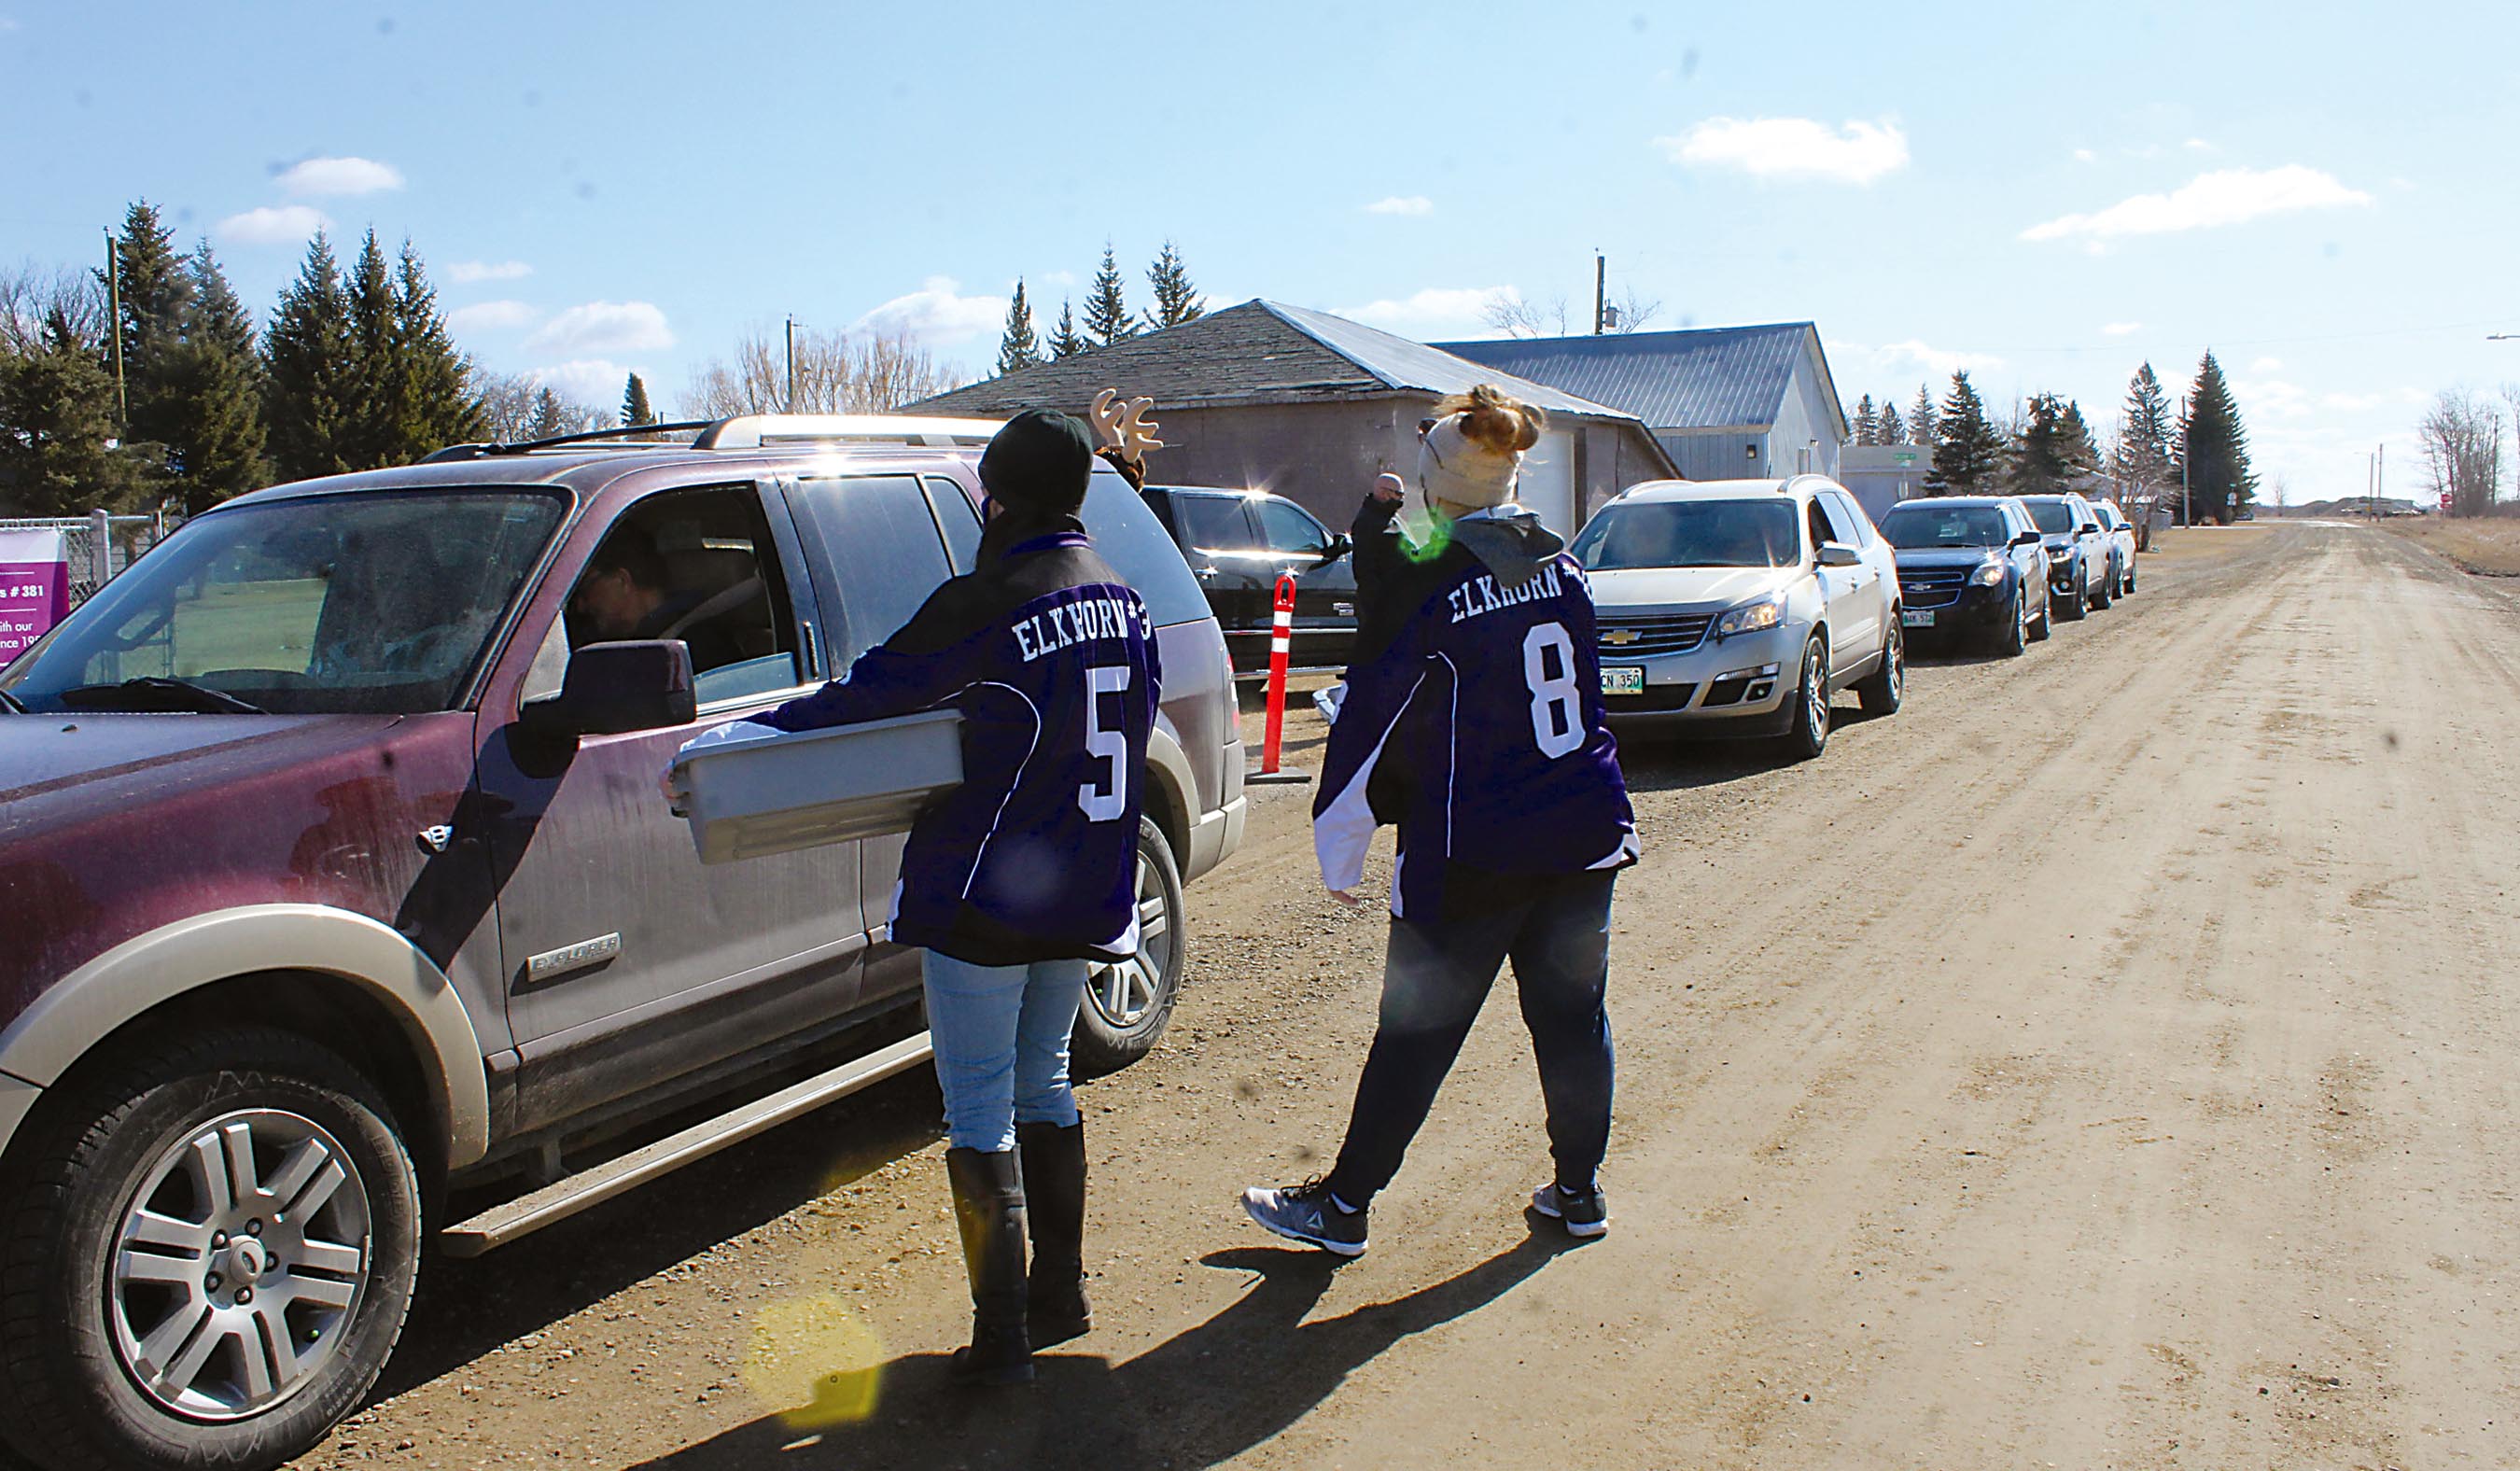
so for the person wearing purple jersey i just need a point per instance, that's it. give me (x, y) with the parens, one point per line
(1025, 874)
(1473, 719)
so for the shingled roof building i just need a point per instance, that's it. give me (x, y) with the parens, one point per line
(1724, 401)
(1312, 407)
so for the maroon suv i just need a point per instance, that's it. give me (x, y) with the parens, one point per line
(334, 871)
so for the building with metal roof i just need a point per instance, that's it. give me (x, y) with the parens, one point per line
(1312, 407)
(1723, 401)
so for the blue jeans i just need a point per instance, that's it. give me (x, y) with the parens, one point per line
(1556, 932)
(1001, 1037)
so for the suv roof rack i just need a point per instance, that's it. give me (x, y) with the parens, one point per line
(750, 432)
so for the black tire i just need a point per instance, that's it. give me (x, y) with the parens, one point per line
(1885, 689)
(2075, 605)
(69, 1302)
(2012, 640)
(2046, 623)
(2107, 593)
(1128, 1005)
(1808, 733)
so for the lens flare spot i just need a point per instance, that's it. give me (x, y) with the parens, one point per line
(816, 1355)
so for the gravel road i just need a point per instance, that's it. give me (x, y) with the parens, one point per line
(2104, 1062)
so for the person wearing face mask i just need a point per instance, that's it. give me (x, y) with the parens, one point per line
(1473, 720)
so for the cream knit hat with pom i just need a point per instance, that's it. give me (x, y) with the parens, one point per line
(1454, 468)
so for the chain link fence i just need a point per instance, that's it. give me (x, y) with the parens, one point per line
(97, 546)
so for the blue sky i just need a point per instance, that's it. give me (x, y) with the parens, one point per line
(2047, 194)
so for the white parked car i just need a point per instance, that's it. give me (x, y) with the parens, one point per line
(2118, 533)
(1737, 607)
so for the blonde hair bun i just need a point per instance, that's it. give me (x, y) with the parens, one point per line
(1495, 419)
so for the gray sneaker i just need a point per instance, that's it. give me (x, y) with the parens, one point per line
(1304, 1213)
(1583, 1213)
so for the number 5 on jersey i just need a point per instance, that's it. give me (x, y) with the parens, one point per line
(1104, 744)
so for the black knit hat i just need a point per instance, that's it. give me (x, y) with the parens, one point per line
(1039, 462)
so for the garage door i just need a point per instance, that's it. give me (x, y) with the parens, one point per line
(1548, 481)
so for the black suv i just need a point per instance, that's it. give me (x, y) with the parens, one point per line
(1237, 542)
(335, 875)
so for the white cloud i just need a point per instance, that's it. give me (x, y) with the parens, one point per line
(1941, 362)
(1414, 204)
(1056, 278)
(596, 382)
(2355, 402)
(2199, 144)
(2121, 329)
(272, 225)
(2225, 197)
(492, 316)
(1435, 310)
(937, 314)
(1792, 148)
(466, 272)
(605, 326)
(2086, 156)
(2267, 365)
(339, 176)
(2272, 396)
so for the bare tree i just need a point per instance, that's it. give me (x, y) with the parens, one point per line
(507, 403)
(836, 373)
(2462, 443)
(31, 296)
(1517, 318)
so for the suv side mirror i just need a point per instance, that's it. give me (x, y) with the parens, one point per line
(1839, 555)
(2088, 528)
(640, 685)
(2025, 539)
(1339, 547)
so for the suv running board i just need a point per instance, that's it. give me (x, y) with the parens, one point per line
(563, 1198)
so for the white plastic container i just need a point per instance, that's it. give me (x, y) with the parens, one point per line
(775, 793)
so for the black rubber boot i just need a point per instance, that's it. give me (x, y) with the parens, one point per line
(989, 1208)
(1054, 1175)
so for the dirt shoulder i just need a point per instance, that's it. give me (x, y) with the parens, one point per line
(2102, 1062)
(2486, 548)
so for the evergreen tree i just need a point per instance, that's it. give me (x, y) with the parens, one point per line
(308, 369)
(1968, 452)
(371, 411)
(1890, 429)
(1066, 342)
(1176, 299)
(1922, 427)
(427, 401)
(1107, 310)
(57, 452)
(551, 417)
(2220, 482)
(1867, 425)
(635, 408)
(218, 446)
(2081, 449)
(156, 297)
(2050, 450)
(2142, 454)
(1018, 348)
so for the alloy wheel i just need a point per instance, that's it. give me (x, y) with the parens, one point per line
(239, 1266)
(1122, 992)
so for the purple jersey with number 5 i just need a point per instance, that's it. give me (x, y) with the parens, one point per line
(1485, 705)
(1051, 658)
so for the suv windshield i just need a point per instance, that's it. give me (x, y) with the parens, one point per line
(1923, 528)
(370, 604)
(2054, 518)
(1691, 534)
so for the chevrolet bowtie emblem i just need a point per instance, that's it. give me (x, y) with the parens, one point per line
(1620, 635)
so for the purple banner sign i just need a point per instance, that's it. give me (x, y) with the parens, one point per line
(34, 589)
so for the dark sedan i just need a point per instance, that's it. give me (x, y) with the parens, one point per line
(1969, 564)
(1237, 542)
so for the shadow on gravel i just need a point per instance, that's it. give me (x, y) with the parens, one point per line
(1202, 1397)
(465, 1308)
(1684, 762)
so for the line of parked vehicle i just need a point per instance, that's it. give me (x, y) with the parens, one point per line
(1727, 607)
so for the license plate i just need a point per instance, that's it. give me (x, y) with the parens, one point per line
(1622, 681)
(1917, 617)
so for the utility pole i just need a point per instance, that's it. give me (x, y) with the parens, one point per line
(791, 364)
(113, 324)
(2186, 507)
(1600, 291)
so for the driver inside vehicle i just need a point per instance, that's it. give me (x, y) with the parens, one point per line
(626, 593)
